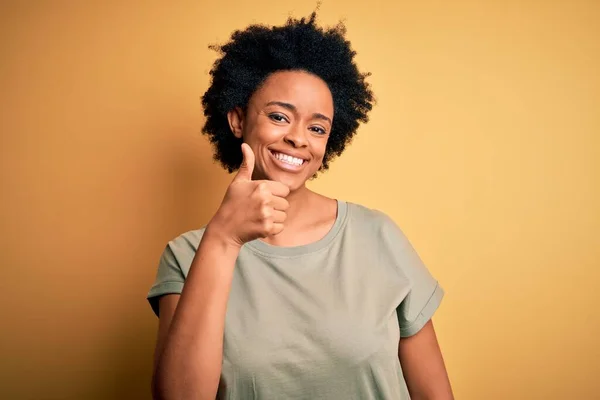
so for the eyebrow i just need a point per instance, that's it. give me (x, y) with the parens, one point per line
(293, 108)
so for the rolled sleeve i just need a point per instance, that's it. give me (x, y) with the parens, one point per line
(169, 279)
(409, 328)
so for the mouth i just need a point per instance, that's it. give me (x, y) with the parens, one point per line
(287, 161)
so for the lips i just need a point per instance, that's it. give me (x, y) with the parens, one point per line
(288, 162)
(288, 159)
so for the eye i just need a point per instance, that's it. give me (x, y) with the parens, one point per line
(278, 117)
(318, 129)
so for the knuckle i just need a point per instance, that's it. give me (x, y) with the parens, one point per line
(262, 188)
(267, 225)
(265, 212)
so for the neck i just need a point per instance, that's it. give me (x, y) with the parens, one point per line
(309, 218)
(299, 200)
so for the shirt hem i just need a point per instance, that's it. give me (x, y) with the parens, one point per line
(162, 289)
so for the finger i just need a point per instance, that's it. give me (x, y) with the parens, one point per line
(247, 167)
(276, 188)
(279, 217)
(276, 229)
(279, 203)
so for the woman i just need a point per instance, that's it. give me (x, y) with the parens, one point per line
(289, 294)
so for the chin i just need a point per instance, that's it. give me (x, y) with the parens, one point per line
(292, 182)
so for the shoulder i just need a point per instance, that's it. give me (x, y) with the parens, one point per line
(186, 243)
(377, 226)
(371, 218)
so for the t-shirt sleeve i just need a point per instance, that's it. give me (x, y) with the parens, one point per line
(425, 293)
(169, 278)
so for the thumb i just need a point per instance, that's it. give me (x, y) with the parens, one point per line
(247, 166)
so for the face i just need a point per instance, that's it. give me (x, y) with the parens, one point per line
(287, 123)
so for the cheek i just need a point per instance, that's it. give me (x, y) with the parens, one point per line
(317, 161)
(265, 134)
(319, 146)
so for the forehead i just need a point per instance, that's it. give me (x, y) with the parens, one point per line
(307, 92)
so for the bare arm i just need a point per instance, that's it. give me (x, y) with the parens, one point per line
(167, 305)
(190, 341)
(423, 366)
(189, 350)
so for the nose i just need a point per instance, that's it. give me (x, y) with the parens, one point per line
(296, 137)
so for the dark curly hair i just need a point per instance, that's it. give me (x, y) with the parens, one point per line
(256, 52)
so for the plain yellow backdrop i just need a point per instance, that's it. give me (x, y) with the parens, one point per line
(484, 147)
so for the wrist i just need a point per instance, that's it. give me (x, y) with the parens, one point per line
(216, 235)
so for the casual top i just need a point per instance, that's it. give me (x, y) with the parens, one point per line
(318, 321)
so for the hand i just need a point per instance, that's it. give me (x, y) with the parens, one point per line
(250, 209)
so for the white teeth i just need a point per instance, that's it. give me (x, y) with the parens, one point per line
(288, 159)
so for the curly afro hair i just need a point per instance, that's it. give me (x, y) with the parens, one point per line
(258, 51)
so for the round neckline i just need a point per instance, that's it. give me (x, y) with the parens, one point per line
(269, 250)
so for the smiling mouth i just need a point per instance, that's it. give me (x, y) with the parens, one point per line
(287, 159)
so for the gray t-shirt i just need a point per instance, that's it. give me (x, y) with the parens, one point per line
(320, 321)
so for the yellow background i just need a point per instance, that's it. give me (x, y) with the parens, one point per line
(484, 147)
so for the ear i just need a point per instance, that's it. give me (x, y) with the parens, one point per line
(236, 121)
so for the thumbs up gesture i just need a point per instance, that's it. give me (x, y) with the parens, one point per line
(250, 209)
